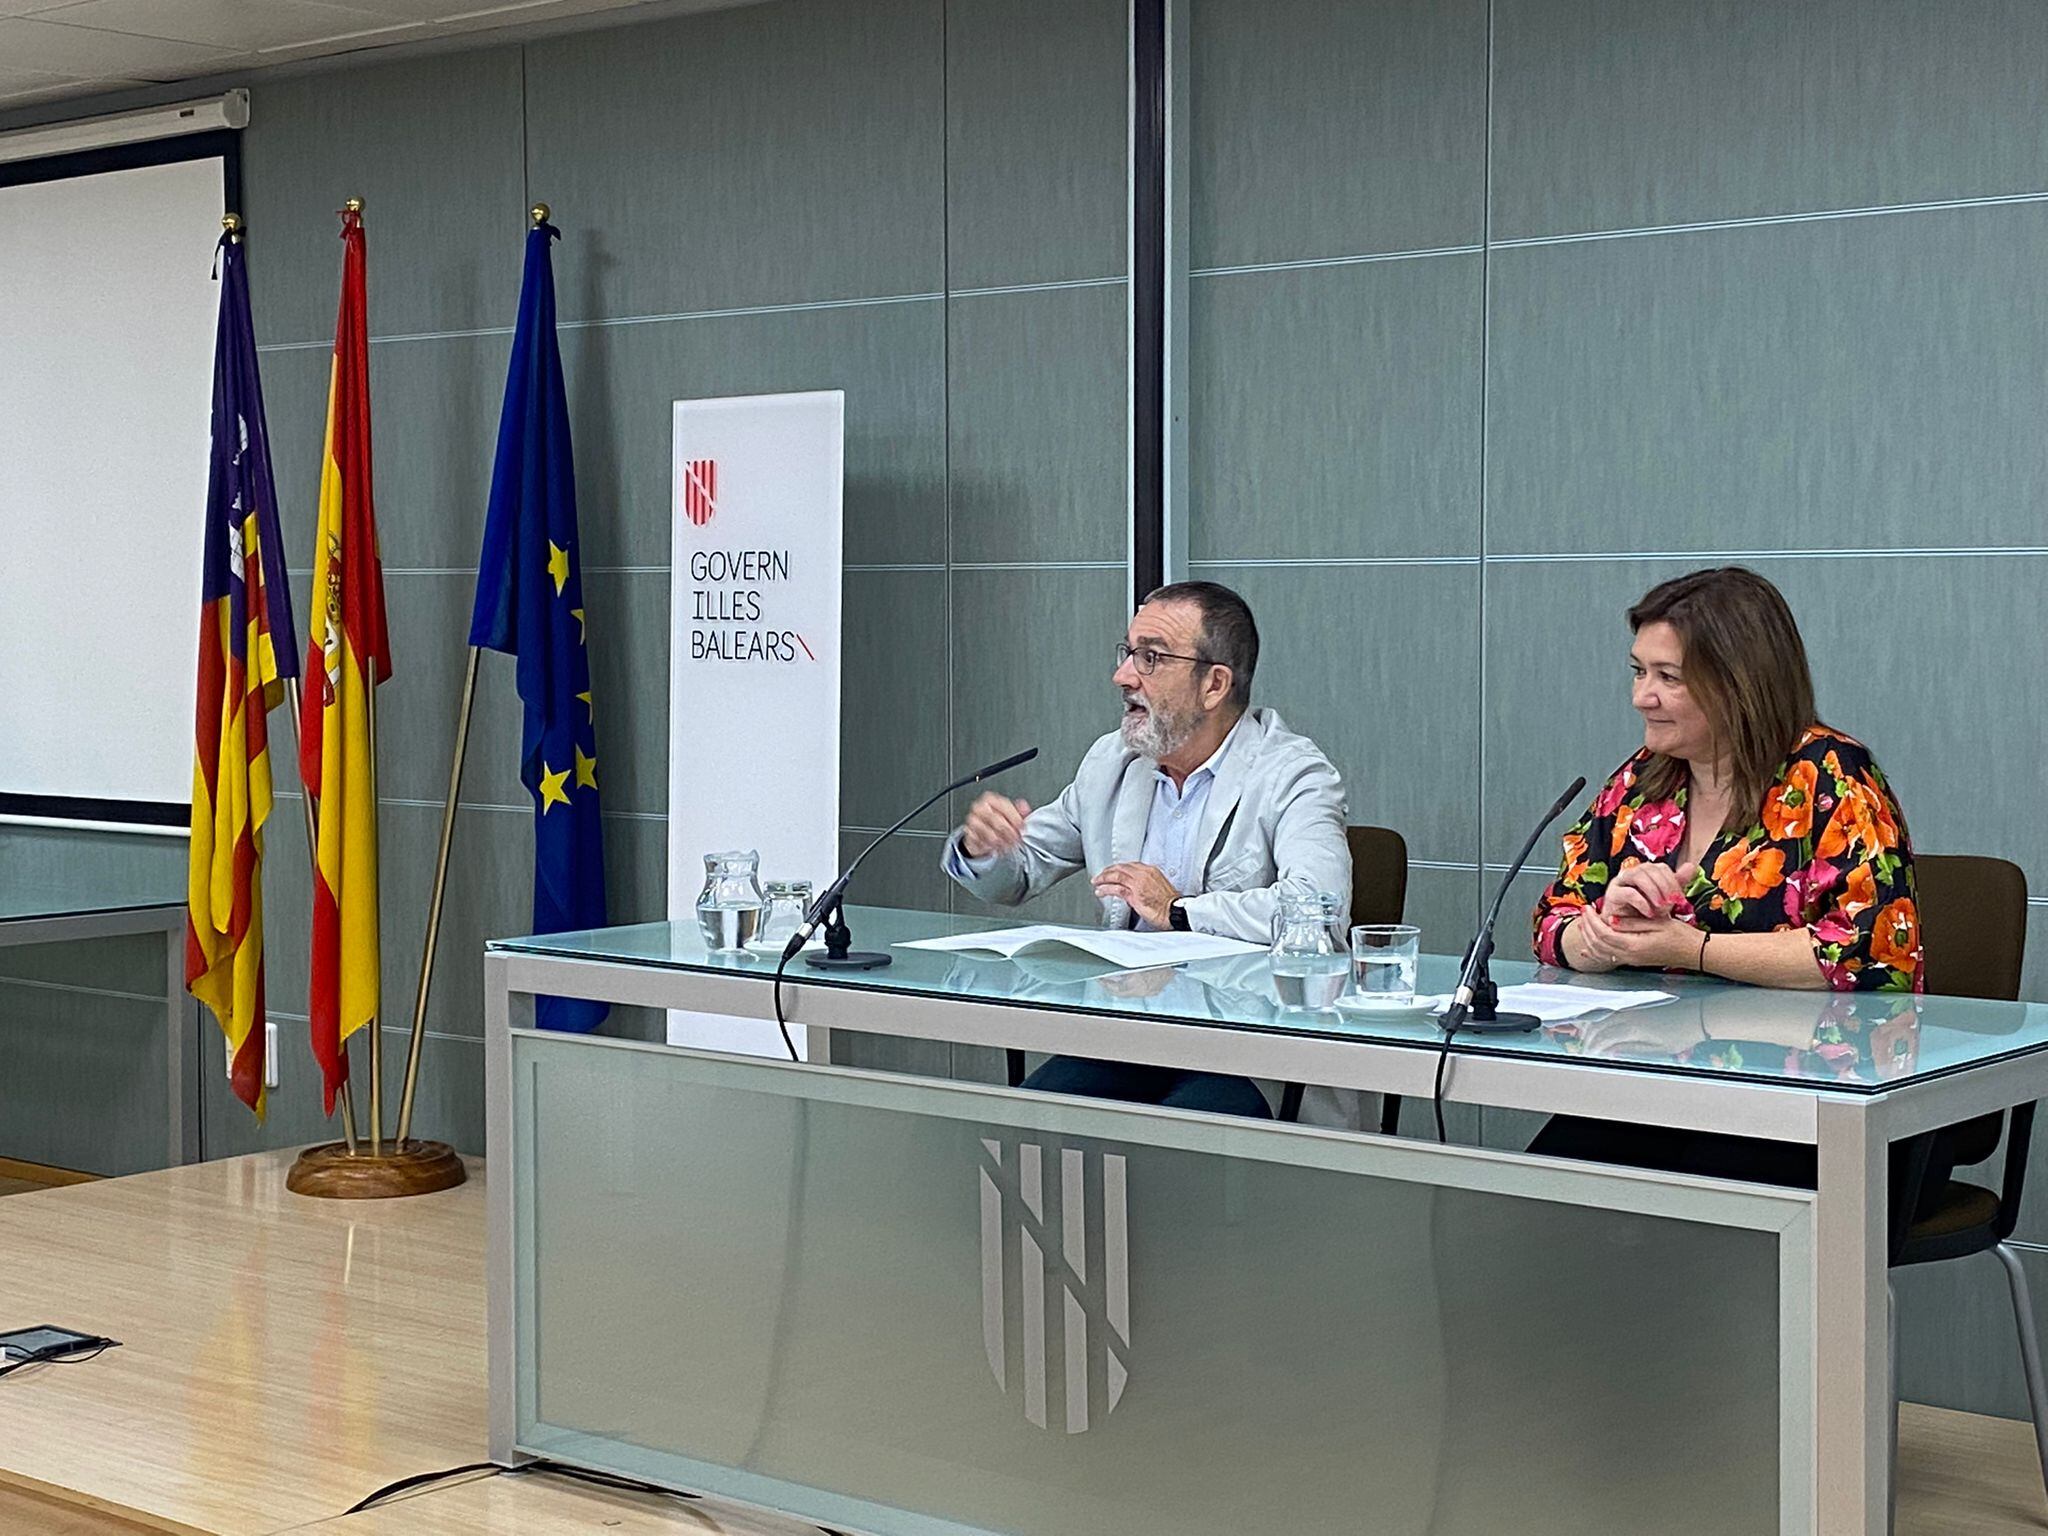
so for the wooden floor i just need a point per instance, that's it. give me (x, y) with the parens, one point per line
(282, 1358)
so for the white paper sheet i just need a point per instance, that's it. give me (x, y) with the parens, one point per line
(1554, 1004)
(1120, 947)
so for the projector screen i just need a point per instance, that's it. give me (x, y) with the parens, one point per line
(107, 308)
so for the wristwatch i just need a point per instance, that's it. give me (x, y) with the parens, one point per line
(1177, 917)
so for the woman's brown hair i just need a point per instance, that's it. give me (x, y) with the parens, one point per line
(1746, 665)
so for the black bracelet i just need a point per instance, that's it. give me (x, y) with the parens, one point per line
(1701, 964)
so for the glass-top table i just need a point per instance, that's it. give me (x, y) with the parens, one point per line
(1848, 1075)
(1848, 1042)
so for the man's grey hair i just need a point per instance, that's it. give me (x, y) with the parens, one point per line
(1230, 636)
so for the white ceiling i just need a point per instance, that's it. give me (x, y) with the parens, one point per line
(51, 49)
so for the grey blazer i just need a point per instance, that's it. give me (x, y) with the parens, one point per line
(1276, 810)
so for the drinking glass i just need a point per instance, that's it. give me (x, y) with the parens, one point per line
(1383, 961)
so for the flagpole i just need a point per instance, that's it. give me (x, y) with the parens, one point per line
(419, 1003)
(376, 1029)
(348, 1106)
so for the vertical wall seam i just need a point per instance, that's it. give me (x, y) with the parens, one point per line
(946, 384)
(1485, 382)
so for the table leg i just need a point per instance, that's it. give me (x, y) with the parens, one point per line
(1851, 1381)
(183, 1128)
(501, 1321)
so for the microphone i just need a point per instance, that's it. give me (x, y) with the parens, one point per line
(827, 904)
(1474, 984)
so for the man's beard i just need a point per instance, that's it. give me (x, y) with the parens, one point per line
(1153, 732)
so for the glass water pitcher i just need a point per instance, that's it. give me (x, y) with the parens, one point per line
(1309, 970)
(729, 907)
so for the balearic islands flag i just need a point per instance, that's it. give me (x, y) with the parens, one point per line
(247, 649)
(347, 654)
(529, 602)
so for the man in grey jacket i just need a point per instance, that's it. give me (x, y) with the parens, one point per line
(1190, 815)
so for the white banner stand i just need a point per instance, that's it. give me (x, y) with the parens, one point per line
(754, 646)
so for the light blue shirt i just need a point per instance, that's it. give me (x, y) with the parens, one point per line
(1175, 818)
(1170, 827)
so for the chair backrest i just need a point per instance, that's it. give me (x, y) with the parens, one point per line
(1973, 932)
(1379, 874)
(1973, 924)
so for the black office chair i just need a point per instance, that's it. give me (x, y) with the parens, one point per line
(1379, 894)
(1973, 934)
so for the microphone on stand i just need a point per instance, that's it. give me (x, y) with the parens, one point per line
(1473, 1004)
(827, 909)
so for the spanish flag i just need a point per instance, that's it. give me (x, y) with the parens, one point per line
(247, 649)
(347, 654)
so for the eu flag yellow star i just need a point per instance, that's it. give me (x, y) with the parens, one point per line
(582, 629)
(558, 565)
(586, 770)
(585, 697)
(552, 791)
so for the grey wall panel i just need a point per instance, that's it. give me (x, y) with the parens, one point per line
(892, 713)
(1324, 130)
(1335, 411)
(623, 381)
(1377, 664)
(1867, 383)
(432, 147)
(1443, 903)
(769, 154)
(82, 1079)
(903, 872)
(1613, 114)
(1031, 666)
(1037, 104)
(133, 963)
(1038, 406)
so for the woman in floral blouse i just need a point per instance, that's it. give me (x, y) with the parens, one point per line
(1744, 840)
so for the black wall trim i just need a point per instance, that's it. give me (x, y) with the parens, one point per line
(227, 144)
(1148, 297)
(140, 813)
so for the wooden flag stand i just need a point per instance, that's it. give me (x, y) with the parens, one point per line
(349, 1169)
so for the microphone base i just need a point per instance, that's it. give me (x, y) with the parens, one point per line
(857, 960)
(1501, 1024)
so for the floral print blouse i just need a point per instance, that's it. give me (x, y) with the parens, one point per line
(1828, 852)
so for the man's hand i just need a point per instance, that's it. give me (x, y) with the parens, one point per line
(995, 824)
(1643, 896)
(1142, 888)
(1660, 943)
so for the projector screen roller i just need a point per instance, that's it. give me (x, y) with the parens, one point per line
(107, 306)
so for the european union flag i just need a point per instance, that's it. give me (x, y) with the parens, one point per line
(529, 602)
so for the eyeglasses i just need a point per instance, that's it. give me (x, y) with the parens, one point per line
(1146, 658)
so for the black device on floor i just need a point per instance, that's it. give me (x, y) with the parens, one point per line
(24, 1346)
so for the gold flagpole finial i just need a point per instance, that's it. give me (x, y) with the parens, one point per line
(231, 223)
(353, 205)
(540, 212)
